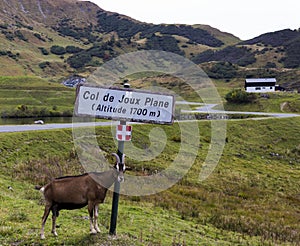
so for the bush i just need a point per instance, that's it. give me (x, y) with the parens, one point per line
(73, 49)
(270, 65)
(8, 35)
(38, 36)
(165, 43)
(58, 50)
(44, 51)
(43, 65)
(292, 55)
(79, 60)
(20, 35)
(237, 55)
(223, 70)
(240, 96)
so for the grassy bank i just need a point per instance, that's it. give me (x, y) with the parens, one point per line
(252, 197)
(34, 97)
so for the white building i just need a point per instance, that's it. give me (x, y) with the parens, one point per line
(260, 85)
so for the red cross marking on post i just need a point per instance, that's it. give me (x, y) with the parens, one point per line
(123, 133)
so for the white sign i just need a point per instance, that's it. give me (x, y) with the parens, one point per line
(121, 104)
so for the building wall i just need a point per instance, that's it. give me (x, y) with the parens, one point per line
(260, 89)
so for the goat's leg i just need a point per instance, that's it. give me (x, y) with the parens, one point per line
(91, 213)
(96, 218)
(54, 216)
(44, 218)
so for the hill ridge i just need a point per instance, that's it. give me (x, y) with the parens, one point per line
(59, 38)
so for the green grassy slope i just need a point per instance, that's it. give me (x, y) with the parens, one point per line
(252, 197)
(26, 96)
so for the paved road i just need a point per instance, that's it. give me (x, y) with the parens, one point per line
(34, 127)
(208, 108)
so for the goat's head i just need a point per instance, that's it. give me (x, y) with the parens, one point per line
(120, 166)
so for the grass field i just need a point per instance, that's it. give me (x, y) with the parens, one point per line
(252, 197)
(35, 97)
(32, 96)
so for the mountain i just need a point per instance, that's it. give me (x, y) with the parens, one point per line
(55, 38)
(47, 12)
(58, 38)
(284, 46)
(287, 41)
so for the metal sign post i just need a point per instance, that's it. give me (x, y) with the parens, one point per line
(115, 202)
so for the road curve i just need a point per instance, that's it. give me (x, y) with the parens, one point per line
(208, 108)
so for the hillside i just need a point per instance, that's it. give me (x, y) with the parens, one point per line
(54, 39)
(280, 49)
(47, 12)
(251, 198)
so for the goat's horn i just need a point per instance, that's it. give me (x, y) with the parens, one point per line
(117, 157)
(123, 158)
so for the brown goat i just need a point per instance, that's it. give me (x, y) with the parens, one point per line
(74, 192)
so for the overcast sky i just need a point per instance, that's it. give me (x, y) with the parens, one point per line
(244, 19)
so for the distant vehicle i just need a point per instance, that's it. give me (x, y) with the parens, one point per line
(39, 122)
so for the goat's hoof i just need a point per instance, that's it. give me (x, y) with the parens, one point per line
(93, 232)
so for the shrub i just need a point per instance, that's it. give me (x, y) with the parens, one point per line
(8, 35)
(20, 35)
(223, 70)
(237, 55)
(3, 26)
(43, 65)
(79, 60)
(270, 65)
(292, 54)
(38, 36)
(73, 49)
(166, 43)
(44, 51)
(240, 96)
(58, 50)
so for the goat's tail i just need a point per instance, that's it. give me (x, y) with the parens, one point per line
(40, 188)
